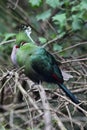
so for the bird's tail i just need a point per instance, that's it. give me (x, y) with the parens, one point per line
(69, 94)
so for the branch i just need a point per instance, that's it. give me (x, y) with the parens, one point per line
(7, 42)
(46, 107)
(73, 46)
(75, 60)
(59, 123)
(26, 94)
(76, 105)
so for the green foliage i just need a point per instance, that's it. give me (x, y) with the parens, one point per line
(60, 19)
(76, 22)
(53, 3)
(42, 40)
(35, 2)
(50, 18)
(57, 47)
(8, 36)
(6, 49)
(79, 15)
(83, 5)
(43, 16)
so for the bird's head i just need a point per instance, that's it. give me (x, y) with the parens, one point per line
(24, 35)
(21, 37)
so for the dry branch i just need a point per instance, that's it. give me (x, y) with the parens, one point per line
(46, 107)
(26, 94)
(76, 105)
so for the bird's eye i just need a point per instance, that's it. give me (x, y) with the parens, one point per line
(22, 43)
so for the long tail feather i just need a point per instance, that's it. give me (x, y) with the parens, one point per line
(69, 94)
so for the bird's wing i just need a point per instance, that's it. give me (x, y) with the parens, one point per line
(45, 64)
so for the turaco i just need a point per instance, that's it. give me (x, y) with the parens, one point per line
(39, 64)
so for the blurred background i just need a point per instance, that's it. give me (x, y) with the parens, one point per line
(61, 27)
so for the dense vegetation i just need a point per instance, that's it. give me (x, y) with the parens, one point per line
(61, 27)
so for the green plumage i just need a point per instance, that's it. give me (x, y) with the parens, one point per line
(21, 37)
(39, 64)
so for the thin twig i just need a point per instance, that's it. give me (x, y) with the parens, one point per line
(7, 42)
(75, 60)
(76, 105)
(51, 41)
(73, 46)
(16, 4)
(70, 117)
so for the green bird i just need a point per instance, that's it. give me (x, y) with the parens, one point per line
(39, 65)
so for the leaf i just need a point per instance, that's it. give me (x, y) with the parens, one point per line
(43, 16)
(8, 36)
(42, 40)
(76, 23)
(83, 4)
(57, 47)
(60, 19)
(53, 3)
(75, 8)
(35, 2)
(80, 7)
